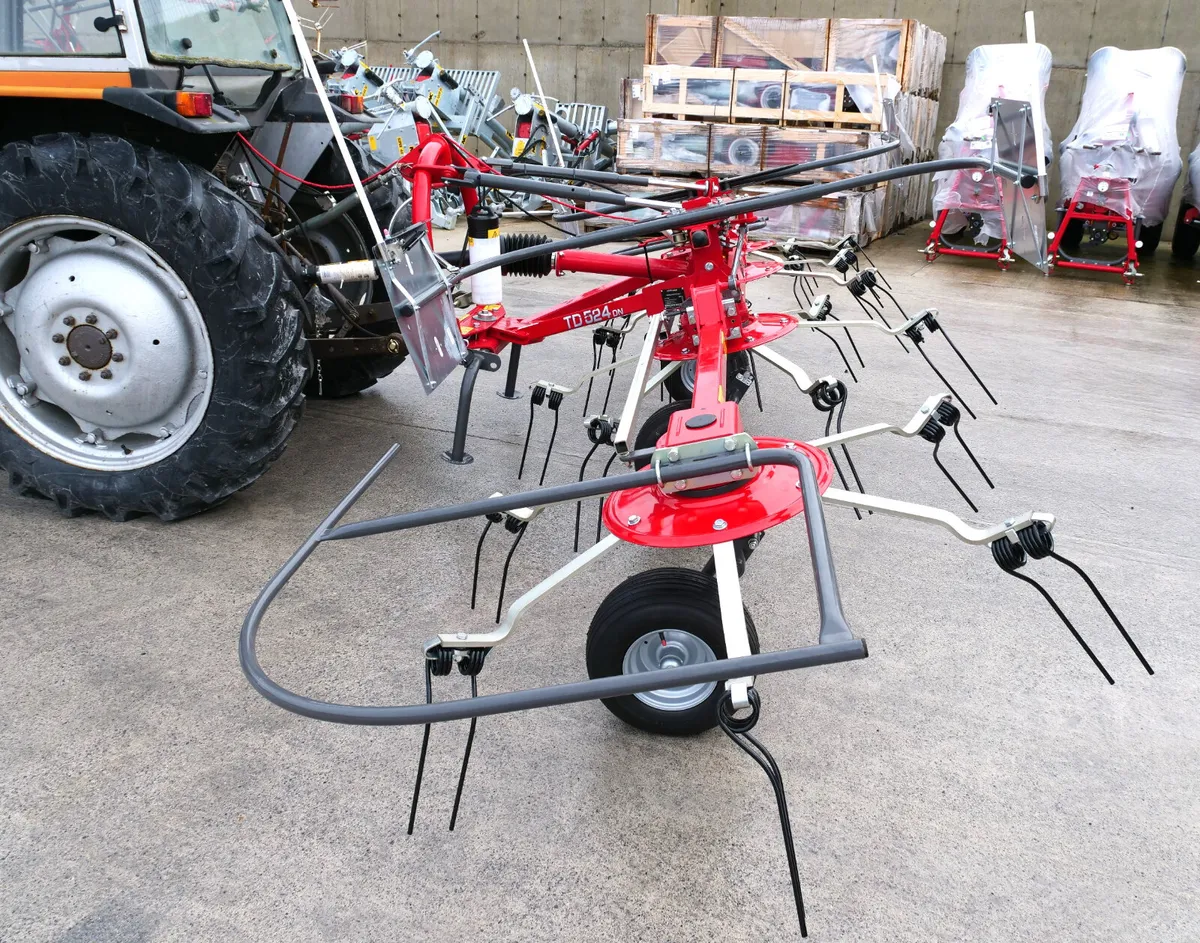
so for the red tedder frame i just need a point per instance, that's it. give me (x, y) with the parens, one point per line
(1081, 207)
(1002, 253)
(702, 276)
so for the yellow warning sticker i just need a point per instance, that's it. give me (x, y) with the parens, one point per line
(518, 147)
(371, 140)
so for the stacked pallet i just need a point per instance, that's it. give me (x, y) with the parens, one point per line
(727, 95)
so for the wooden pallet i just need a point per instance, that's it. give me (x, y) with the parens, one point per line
(654, 146)
(763, 95)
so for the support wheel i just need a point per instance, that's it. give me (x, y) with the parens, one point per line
(1186, 240)
(1149, 237)
(664, 618)
(152, 355)
(655, 427)
(738, 378)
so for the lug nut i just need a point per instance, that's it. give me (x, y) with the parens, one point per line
(65, 361)
(84, 375)
(91, 319)
(69, 321)
(111, 333)
(58, 338)
(106, 374)
(633, 519)
(719, 524)
(118, 357)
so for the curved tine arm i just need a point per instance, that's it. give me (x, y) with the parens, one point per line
(781, 362)
(874, 325)
(518, 609)
(910, 429)
(835, 644)
(952, 522)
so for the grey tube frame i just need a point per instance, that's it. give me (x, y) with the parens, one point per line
(835, 642)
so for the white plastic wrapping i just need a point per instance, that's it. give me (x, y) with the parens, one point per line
(1126, 129)
(1191, 186)
(1018, 71)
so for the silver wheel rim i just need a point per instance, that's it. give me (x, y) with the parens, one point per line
(105, 360)
(687, 375)
(670, 648)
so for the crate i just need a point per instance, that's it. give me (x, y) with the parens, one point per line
(858, 213)
(771, 96)
(766, 42)
(736, 148)
(681, 40)
(687, 92)
(655, 146)
(784, 146)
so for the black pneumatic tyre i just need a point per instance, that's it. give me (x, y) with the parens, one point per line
(1149, 237)
(191, 239)
(656, 615)
(680, 384)
(655, 427)
(1186, 241)
(335, 379)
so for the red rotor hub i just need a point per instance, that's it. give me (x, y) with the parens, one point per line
(652, 518)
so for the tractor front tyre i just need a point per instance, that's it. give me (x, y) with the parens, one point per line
(152, 353)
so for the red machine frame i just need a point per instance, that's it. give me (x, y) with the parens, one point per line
(1003, 254)
(1085, 210)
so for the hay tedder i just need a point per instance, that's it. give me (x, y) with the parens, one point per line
(669, 650)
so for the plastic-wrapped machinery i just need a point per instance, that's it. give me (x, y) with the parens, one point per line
(1017, 71)
(1126, 130)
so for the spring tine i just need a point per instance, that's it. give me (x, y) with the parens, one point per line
(1107, 608)
(754, 372)
(579, 504)
(846, 452)
(869, 308)
(1067, 622)
(952, 390)
(549, 449)
(462, 773)
(762, 756)
(612, 375)
(528, 433)
(833, 340)
(597, 352)
(950, 478)
(412, 812)
(600, 510)
(899, 307)
(971, 455)
(850, 338)
(862, 252)
(478, 551)
(504, 573)
(837, 466)
(971, 369)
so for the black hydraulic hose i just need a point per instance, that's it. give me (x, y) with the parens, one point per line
(718, 211)
(766, 176)
(836, 643)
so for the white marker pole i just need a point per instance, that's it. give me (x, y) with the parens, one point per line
(537, 83)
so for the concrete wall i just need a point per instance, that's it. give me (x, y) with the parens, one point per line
(583, 49)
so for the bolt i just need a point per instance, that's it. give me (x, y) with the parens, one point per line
(65, 361)
(106, 374)
(91, 319)
(111, 333)
(1009, 522)
(117, 358)
(111, 240)
(924, 409)
(719, 524)
(461, 636)
(69, 321)
(84, 375)
(58, 338)
(393, 345)
(730, 444)
(632, 520)
(673, 455)
(183, 294)
(708, 266)
(736, 473)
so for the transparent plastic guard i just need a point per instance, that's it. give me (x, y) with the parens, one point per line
(1015, 144)
(410, 271)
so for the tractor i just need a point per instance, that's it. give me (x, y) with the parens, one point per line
(169, 187)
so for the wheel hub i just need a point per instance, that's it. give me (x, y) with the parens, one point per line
(106, 340)
(89, 347)
(670, 648)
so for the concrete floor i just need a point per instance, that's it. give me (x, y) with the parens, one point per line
(974, 779)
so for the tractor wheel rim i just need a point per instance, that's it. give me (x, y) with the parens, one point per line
(105, 360)
(670, 648)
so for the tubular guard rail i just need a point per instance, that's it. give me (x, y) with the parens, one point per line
(835, 642)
